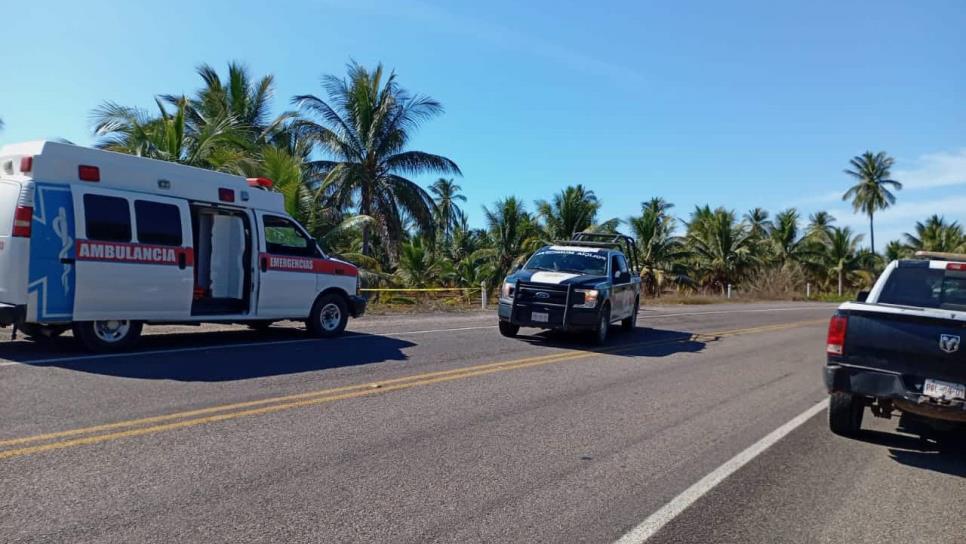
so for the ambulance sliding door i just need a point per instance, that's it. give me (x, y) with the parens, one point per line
(134, 256)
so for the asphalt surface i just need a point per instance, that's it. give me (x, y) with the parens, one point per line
(436, 428)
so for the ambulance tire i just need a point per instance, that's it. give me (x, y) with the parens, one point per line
(107, 336)
(329, 316)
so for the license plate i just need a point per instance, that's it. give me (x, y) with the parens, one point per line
(540, 317)
(944, 390)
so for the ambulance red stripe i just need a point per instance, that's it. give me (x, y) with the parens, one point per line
(118, 252)
(309, 265)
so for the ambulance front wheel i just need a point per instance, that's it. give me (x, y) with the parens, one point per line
(107, 336)
(329, 316)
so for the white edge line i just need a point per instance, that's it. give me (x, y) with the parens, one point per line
(357, 336)
(656, 521)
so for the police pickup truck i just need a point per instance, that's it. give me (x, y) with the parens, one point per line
(898, 348)
(584, 284)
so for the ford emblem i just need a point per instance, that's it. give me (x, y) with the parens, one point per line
(542, 295)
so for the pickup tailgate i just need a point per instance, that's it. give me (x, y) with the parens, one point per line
(917, 346)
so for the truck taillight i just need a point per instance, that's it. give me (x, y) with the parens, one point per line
(835, 344)
(21, 221)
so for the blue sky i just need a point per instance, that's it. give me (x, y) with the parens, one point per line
(739, 104)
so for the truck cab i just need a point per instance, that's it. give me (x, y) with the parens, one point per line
(584, 284)
(103, 243)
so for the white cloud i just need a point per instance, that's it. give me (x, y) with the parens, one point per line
(934, 170)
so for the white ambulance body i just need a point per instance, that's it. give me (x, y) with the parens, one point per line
(104, 242)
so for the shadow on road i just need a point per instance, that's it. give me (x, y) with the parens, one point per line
(262, 354)
(642, 342)
(945, 456)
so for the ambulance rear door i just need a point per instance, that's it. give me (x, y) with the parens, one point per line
(134, 256)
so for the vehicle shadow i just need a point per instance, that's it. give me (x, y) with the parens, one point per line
(250, 355)
(945, 456)
(640, 342)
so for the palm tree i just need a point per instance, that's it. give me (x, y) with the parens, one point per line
(723, 250)
(364, 129)
(819, 225)
(787, 245)
(757, 219)
(935, 234)
(896, 250)
(660, 253)
(570, 211)
(446, 194)
(871, 192)
(166, 137)
(513, 231)
(418, 267)
(842, 255)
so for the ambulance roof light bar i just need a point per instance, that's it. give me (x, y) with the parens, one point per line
(260, 183)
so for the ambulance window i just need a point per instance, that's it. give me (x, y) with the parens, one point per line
(108, 218)
(158, 223)
(282, 237)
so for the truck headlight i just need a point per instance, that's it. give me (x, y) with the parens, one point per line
(507, 290)
(590, 298)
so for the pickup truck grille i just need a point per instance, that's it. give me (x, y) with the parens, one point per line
(540, 293)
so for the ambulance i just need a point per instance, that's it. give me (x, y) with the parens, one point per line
(102, 243)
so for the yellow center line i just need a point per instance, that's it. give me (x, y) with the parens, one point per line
(288, 402)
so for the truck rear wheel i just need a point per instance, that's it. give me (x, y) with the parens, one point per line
(329, 316)
(630, 323)
(509, 329)
(107, 336)
(845, 414)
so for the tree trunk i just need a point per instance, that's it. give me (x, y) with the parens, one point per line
(841, 280)
(365, 208)
(871, 233)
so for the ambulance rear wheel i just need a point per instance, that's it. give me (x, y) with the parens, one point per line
(329, 316)
(107, 336)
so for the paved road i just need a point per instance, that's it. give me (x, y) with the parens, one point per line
(436, 428)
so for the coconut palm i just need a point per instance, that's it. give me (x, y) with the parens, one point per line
(418, 267)
(570, 211)
(871, 192)
(660, 252)
(786, 244)
(936, 234)
(723, 250)
(819, 225)
(895, 250)
(514, 234)
(168, 136)
(758, 222)
(364, 129)
(446, 194)
(842, 255)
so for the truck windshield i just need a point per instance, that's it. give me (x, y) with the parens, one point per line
(569, 261)
(926, 288)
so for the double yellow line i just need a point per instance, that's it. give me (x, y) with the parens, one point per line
(19, 447)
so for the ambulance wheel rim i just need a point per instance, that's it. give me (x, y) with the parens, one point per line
(331, 316)
(111, 331)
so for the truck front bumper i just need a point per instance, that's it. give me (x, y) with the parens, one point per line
(576, 318)
(904, 390)
(11, 313)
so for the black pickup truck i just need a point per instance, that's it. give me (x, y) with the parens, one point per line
(898, 348)
(583, 284)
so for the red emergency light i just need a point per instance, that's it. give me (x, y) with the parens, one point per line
(262, 183)
(226, 195)
(88, 173)
(956, 266)
(26, 164)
